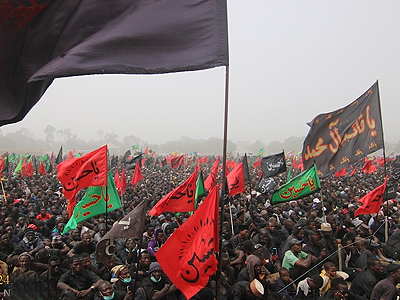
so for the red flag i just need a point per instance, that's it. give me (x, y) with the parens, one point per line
(257, 163)
(137, 175)
(211, 179)
(146, 151)
(203, 160)
(235, 180)
(342, 172)
(123, 182)
(372, 201)
(70, 155)
(42, 169)
(188, 256)
(353, 172)
(116, 179)
(369, 167)
(177, 161)
(80, 172)
(29, 169)
(180, 199)
(2, 164)
(23, 167)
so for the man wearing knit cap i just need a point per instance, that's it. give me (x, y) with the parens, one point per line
(158, 285)
(386, 288)
(243, 290)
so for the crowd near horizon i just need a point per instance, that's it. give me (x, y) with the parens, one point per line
(308, 249)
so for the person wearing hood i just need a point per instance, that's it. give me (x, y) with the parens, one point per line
(31, 243)
(154, 245)
(166, 228)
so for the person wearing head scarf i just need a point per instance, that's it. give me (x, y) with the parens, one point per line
(254, 270)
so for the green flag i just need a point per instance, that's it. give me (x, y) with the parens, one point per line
(289, 174)
(18, 167)
(93, 204)
(261, 152)
(304, 184)
(134, 147)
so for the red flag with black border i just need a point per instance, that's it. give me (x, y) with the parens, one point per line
(188, 257)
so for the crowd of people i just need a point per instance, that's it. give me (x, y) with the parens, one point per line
(312, 248)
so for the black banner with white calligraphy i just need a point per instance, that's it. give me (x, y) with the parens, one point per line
(346, 135)
(266, 184)
(273, 165)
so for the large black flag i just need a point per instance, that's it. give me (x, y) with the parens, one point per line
(341, 137)
(45, 39)
(273, 165)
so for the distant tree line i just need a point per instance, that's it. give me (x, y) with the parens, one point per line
(23, 141)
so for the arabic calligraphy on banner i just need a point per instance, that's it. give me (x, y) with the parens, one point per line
(188, 256)
(304, 184)
(88, 170)
(339, 138)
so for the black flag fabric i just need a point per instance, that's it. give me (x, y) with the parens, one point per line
(246, 168)
(128, 227)
(59, 157)
(266, 184)
(346, 135)
(47, 39)
(273, 165)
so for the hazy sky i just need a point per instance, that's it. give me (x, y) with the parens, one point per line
(289, 61)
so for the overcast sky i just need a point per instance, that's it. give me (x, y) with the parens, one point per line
(289, 61)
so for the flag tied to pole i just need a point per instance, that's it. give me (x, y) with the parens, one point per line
(188, 256)
(80, 172)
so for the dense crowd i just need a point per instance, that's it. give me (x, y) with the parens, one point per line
(307, 249)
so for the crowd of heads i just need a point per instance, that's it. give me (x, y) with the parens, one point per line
(273, 248)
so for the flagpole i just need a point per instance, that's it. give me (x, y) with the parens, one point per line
(140, 240)
(221, 222)
(384, 164)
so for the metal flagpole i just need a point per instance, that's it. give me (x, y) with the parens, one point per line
(222, 198)
(384, 164)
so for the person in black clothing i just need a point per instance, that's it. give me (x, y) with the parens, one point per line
(157, 285)
(142, 267)
(86, 245)
(363, 284)
(338, 291)
(78, 281)
(51, 277)
(106, 291)
(309, 288)
(124, 282)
